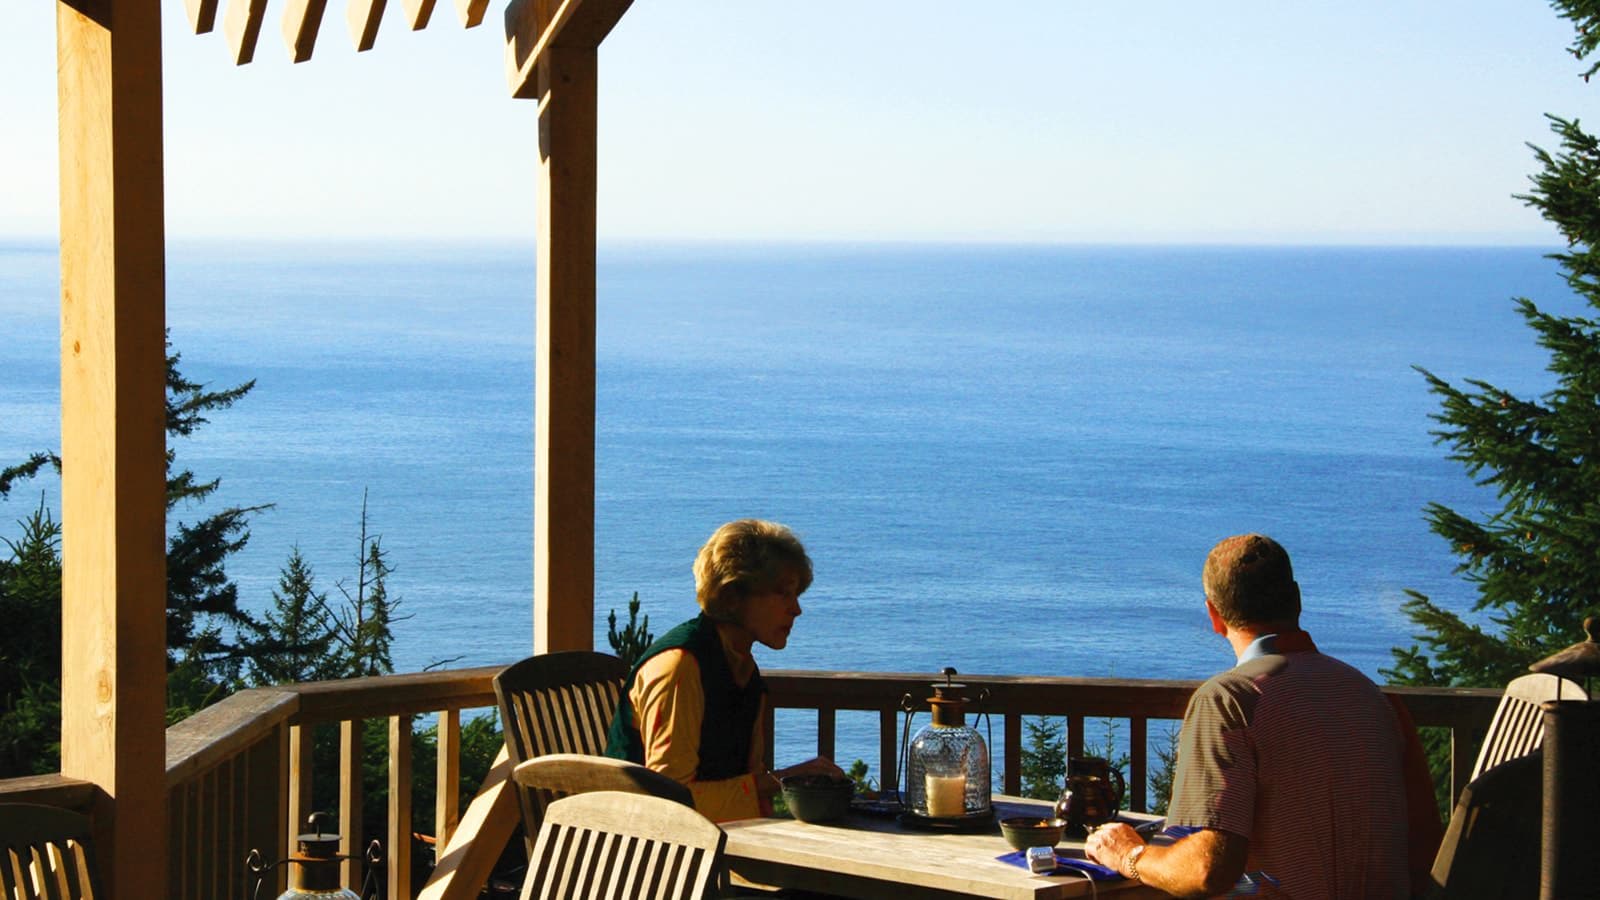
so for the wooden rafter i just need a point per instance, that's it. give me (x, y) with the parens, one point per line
(534, 28)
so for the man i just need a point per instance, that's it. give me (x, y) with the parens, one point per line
(1289, 764)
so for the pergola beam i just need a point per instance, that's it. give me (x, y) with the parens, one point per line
(113, 431)
(533, 29)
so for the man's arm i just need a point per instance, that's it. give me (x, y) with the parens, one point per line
(1203, 864)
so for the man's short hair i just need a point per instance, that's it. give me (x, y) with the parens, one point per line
(1249, 580)
(746, 557)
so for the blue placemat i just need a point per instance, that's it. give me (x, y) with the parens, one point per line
(1065, 865)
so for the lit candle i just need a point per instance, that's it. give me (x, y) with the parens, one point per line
(947, 795)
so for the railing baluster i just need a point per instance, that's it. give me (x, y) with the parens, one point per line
(300, 780)
(1012, 781)
(1138, 762)
(888, 742)
(399, 849)
(352, 828)
(447, 797)
(1075, 726)
(827, 724)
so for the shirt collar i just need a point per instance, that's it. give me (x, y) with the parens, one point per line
(1278, 642)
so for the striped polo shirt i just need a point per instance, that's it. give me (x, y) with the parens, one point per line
(1300, 754)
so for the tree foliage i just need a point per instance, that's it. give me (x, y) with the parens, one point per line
(1535, 561)
(207, 631)
(634, 638)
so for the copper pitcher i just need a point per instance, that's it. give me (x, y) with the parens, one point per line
(1093, 793)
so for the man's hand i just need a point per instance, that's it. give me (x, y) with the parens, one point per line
(1110, 844)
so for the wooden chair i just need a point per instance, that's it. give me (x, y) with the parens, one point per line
(564, 774)
(609, 844)
(1492, 849)
(44, 854)
(1518, 725)
(556, 703)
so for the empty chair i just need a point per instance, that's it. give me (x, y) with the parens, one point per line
(1491, 849)
(606, 844)
(1518, 725)
(556, 703)
(44, 853)
(565, 774)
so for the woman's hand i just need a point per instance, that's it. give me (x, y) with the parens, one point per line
(817, 765)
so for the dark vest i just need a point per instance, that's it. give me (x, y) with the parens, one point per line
(730, 710)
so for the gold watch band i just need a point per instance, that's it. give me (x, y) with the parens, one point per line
(1132, 862)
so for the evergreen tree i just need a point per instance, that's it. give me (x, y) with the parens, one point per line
(202, 602)
(296, 637)
(1534, 562)
(635, 637)
(362, 627)
(30, 648)
(1044, 757)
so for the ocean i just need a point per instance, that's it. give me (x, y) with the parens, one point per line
(1006, 459)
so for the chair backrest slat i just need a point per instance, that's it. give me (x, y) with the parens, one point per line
(556, 703)
(609, 844)
(44, 853)
(1518, 725)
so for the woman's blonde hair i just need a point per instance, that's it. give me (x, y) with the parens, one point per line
(746, 557)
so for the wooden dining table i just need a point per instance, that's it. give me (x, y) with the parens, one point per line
(872, 857)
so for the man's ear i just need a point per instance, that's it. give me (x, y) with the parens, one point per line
(1217, 625)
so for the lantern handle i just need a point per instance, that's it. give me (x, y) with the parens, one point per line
(908, 704)
(259, 869)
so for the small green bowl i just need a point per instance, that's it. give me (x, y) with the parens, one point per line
(1022, 832)
(817, 798)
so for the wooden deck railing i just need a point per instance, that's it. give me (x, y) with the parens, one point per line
(240, 773)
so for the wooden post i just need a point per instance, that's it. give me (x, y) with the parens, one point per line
(563, 483)
(113, 402)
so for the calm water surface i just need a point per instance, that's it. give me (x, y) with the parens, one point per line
(1001, 459)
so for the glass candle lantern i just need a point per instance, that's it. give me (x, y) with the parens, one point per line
(947, 764)
(314, 869)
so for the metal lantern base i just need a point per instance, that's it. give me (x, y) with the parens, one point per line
(971, 823)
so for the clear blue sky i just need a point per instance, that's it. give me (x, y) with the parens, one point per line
(1016, 120)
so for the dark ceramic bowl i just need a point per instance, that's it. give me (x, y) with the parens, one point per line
(817, 798)
(1022, 832)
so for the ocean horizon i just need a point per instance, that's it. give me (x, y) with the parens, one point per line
(1003, 458)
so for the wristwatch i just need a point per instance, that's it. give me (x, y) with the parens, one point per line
(1131, 861)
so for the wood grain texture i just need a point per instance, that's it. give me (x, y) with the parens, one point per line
(868, 858)
(113, 436)
(535, 27)
(611, 844)
(447, 775)
(565, 774)
(351, 826)
(398, 848)
(564, 375)
(475, 846)
(225, 730)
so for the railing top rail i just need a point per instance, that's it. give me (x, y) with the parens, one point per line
(50, 790)
(394, 695)
(1060, 695)
(222, 731)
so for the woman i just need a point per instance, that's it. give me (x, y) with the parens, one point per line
(692, 706)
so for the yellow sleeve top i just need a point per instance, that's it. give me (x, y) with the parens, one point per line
(669, 707)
